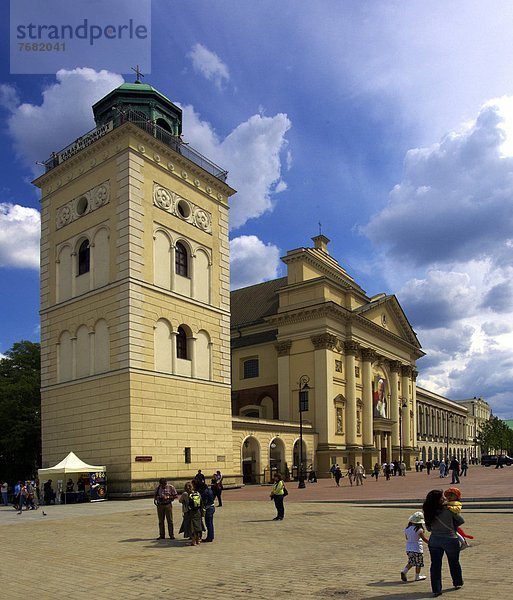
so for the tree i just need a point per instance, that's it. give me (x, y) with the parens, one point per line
(496, 435)
(20, 411)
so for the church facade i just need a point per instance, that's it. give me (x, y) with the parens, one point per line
(151, 367)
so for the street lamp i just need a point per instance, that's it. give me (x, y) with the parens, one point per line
(403, 406)
(303, 406)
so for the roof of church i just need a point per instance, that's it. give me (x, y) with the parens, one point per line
(251, 304)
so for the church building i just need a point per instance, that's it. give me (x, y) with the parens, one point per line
(357, 355)
(151, 367)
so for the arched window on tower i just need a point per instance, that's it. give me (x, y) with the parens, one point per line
(181, 260)
(84, 257)
(181, 344)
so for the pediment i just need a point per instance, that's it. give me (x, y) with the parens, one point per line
(387, 313)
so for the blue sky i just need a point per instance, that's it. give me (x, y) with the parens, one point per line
(391, 123)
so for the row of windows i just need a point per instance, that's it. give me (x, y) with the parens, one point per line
(87, 352)
(83, 264)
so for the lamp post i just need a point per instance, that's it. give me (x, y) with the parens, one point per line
(303, 406)
(403, 406)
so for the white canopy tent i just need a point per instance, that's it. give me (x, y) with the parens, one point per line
(69, 465)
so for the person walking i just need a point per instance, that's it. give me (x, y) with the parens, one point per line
(442, 523)
(207, 497)
(278, 494)
(5, 493)
(350, 474)
(338, 476)
(441, 468)
(388, 471)
(464, 467)
(217, 487)
(163, 500)
(359, 472)
(414, 534)
(454, 467)
(375, 472)
(429, 465)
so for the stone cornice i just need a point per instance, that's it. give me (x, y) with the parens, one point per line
(161, 154)
(308, 313)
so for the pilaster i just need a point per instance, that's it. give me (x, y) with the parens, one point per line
(368, 357)
(283, 351)
(351, 350)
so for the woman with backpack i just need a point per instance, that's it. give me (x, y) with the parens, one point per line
(192, 509)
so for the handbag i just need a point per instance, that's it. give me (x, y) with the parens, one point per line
(462, 541)
(285, 491)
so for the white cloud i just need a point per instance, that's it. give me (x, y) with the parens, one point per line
(64, 114)
(455, 200)
(252, 261)
(8, 97)
(450, 221)
(19, 236)
(209, 64)
(252, 153)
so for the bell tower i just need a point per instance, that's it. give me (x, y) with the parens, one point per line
(135, 319)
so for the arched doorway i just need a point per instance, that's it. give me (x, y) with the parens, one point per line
(296, 459)
(430, 453)
(250, 460)
(277, 456)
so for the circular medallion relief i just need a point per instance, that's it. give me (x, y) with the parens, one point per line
(384, 320)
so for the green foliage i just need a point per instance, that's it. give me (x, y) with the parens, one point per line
(497, 436)
(20, 411)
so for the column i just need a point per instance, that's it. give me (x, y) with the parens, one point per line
(406, 371)
(395, 367)
(172, 275)
(192, 355)
(192, 274)
(324, 411)
(350, 349)
(73, 357)
(91, 353)
(284, 387)
(415, 433)
(173, 352)
(74, 271)
(368, 357)
(389, 448)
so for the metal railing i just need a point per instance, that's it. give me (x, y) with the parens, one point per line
(161, 134)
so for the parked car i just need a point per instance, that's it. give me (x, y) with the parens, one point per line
(491, 459)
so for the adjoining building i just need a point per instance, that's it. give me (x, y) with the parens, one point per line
(137, 337)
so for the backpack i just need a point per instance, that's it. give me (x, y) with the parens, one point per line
(194, 501)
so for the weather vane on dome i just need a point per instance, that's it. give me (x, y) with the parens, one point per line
(320, 228)
(138, 73)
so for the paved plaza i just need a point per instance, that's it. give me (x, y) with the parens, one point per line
(325, 548)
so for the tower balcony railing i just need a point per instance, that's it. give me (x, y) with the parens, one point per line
(174, 142)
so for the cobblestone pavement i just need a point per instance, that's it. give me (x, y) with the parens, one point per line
(321, 550)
